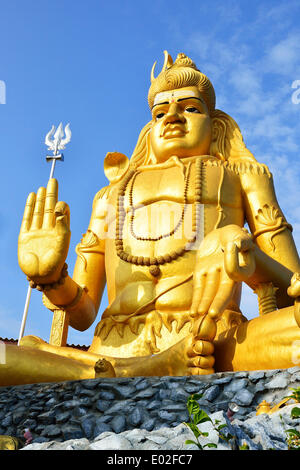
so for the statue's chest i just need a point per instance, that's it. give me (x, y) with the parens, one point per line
(148, 187)
(209, 184)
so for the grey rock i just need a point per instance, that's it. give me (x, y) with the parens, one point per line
(38, 440)
(103, 405)
(118, 424)
(75, 444)
(111, 443)
(222, 405)
(212, 393)
(7, 421)
(107, 395)
(279, 381)
(88, 426)
(271, 373)
(90, 384)
(47, 418)
(51, 431)
(104, 418)
(62, 417)
(179, 395)
(243, 397)
(125, 391)
(86, 393)
(223, 380)
(234, 386)
(144, 384)
(148, 424)
(256, 375)
(72, 432)
(166, 416)
(100, 428)
(174, 407)
(135, 418)
(30, 423)
(157, 438)
(80, 411)
(192, 388)
(146, 393)
(122, 406)
(51, 402)
(154, 405)
(164, 393)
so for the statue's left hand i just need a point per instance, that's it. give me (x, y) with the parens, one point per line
(225, 257)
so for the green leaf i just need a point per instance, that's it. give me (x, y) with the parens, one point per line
(204, 434)
(194, 429)
(193, 407)
(222, 426)
(197, 396)
(191, 442)
(295, 413)
(202, 417)
(293, 432)
(211, 444)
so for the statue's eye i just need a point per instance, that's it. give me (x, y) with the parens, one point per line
(192, 109)
(159, 116)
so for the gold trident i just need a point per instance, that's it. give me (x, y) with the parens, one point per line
(55, 141)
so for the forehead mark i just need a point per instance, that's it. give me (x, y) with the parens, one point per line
(169, 96)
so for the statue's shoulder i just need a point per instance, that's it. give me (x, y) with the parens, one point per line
(241, 166)
(116, 165)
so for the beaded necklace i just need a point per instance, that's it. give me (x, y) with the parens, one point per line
(155, 261)
(166, 235)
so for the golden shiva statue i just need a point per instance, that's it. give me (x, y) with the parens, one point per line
(168, 235)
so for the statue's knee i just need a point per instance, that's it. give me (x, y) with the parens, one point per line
(31, 341)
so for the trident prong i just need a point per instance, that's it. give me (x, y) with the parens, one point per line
(55, 142)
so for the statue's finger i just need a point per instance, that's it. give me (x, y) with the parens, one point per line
(62, 216)
(223, 297)
(210, 289)
(50, 203)
(197, 293)
(38, 213)
(234, 269)
(27, 217)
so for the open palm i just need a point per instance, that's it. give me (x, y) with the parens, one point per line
(44, 236)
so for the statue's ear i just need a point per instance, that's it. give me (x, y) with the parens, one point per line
(115, 166)
(217, 146)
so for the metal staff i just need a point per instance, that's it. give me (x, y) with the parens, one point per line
(55, 142)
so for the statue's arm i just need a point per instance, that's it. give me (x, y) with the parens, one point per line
(275, 251)
(81, 295)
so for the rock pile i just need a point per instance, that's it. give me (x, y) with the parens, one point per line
(263, 432)
(86, 409)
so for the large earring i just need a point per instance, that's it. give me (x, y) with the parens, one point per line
(217, 146)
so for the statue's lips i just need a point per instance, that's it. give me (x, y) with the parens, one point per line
(172, 131)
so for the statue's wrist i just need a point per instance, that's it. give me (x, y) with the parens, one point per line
(53, 285)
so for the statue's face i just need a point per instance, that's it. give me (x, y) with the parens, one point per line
(181, 124)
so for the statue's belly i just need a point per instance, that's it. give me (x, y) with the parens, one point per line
(170, 294)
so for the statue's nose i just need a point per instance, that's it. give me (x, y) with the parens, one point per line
(174, 114)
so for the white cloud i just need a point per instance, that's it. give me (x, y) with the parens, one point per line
(283, 57)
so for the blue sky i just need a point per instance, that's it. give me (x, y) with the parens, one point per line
(88, 63)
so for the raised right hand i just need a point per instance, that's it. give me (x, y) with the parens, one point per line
(44, 236)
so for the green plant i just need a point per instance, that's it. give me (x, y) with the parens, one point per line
(244, 446)
(225, 437)
(295, 395)
(295, 412)
(293, 435)
(293, 439)
(197, 416)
